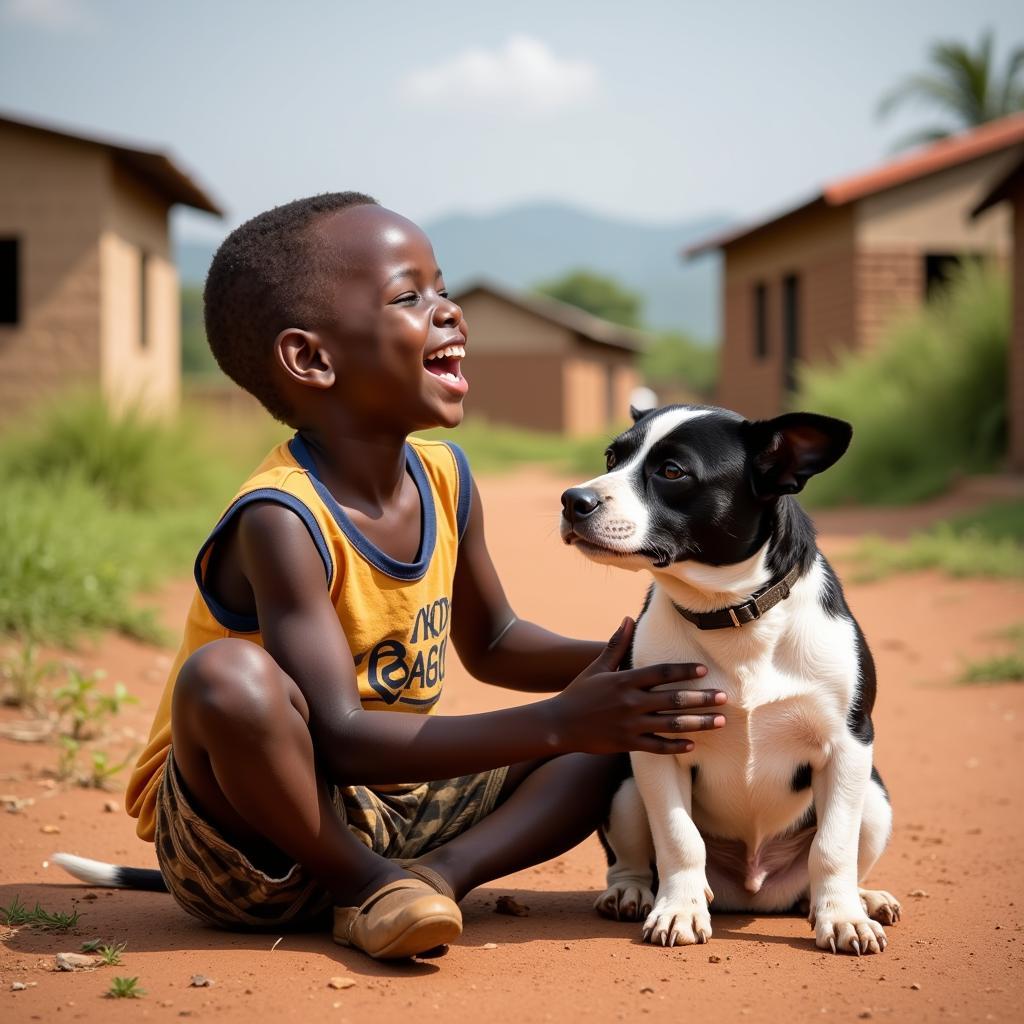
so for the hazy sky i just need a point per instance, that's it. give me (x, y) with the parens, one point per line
(646, 110)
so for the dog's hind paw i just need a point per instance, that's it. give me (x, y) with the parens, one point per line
(627, 900)
(860, 936)
(881, 906)
(685, 923)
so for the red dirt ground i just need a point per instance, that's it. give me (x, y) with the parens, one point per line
(950, 755)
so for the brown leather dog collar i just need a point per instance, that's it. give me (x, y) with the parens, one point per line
(740, 614)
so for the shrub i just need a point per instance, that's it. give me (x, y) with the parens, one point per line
(927, 405)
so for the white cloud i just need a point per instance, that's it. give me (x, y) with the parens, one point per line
(522, 74)
(54, 15)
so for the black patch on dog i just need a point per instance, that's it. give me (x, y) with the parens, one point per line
(858, 718)
(831, 598)
(875, 777)
(801, 778)
(793, 540)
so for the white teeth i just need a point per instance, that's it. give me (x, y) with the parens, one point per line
(458, 351)
(451, 377)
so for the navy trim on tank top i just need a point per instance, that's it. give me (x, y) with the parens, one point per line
(379, 559)
(234, 621)
(465, 487)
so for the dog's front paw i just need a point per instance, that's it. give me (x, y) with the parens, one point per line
(679, 920)
(847, 932)
(625, 900)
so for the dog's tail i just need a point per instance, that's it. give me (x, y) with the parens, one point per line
(110, 876)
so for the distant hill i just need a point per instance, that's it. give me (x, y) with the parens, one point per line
(524, 245)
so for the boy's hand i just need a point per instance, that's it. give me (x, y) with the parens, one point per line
(604, 710)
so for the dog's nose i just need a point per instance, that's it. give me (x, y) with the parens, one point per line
(579, 502)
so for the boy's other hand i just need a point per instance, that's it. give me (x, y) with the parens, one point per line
(607, 710)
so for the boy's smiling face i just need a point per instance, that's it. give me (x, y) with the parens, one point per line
(393, 336)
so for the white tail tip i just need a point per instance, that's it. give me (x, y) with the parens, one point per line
(94, 872)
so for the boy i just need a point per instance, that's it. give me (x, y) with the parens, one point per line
(325, 596)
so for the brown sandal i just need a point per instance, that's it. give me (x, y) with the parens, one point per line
(399, 920)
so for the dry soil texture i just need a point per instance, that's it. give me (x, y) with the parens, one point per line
(950, 754)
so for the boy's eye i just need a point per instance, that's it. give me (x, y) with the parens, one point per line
(406, 297)
(609, 459)
(671, 471)
(443, 293)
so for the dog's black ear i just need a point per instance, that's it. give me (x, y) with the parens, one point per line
(788, 450)
(639, 414)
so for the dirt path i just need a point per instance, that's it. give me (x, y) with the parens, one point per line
(951, 757)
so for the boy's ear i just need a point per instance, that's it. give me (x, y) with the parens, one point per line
(303, 358)
(788, 450)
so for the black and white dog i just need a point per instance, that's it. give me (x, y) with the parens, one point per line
(783, 804)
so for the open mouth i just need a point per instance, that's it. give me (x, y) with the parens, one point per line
(445, 364)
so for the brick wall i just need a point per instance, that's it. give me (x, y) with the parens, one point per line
(890, 283)
(817, 247)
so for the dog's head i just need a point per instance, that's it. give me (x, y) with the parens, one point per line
(696, 483)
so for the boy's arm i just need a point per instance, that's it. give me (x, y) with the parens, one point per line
(604, 711)
(493, 644)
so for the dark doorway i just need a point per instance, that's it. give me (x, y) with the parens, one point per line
(10, 285)
(790, 330)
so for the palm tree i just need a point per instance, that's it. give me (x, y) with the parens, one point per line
(965, 85)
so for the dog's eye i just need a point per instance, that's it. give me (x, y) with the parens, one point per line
(609, 459)
(671, 471)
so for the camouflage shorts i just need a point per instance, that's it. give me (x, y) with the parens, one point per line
(214, 881)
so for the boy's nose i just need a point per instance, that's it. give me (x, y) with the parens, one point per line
(579, 502)
(448, 313)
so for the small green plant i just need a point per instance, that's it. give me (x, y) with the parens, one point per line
(18, 914)
(67, 757)
(102, 770)
(85, 709)
(23, 675)
(91, 945)
(125, 988)
(110, 954)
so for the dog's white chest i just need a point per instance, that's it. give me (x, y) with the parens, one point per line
(750, 778)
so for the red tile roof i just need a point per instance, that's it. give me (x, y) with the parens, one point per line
(988, 138)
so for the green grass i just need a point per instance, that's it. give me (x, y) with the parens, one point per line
(17, 914)
(1002, 668)
(927, 405)
(97, 509)
(988, 543)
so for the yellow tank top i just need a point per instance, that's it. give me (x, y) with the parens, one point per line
(395, 615)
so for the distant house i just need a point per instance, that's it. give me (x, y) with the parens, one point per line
(88, 287)
(1009, 191)
(535, 362)
(829, 274)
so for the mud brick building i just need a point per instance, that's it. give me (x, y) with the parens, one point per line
(88, 287)
(535, 362)
(829, 274)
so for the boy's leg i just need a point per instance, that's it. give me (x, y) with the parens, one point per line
(243, 748)
(546, 808)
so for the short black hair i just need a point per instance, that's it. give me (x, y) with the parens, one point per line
(264, 278)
